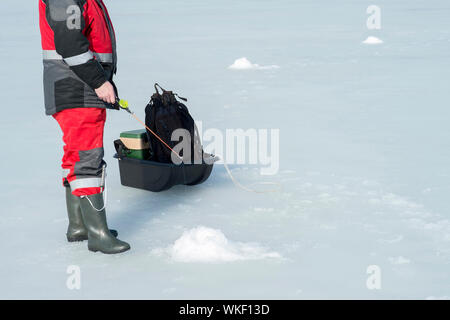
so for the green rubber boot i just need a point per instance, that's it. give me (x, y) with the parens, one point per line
(99, 236)
(76, 230)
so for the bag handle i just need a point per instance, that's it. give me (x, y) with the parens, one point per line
(156, 88)
(164, 91)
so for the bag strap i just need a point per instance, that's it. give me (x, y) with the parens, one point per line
(156, 88)
(164, 91)
(181, 98)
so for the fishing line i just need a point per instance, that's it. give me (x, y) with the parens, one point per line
(124, 105)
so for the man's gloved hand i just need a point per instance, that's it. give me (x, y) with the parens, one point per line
(106, 93)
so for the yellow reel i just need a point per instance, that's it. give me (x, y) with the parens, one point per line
(123, 104)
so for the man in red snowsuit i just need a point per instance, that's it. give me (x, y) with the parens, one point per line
(79, 54)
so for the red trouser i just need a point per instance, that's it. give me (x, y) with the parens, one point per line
(83, 163)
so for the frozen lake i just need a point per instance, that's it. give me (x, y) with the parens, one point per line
(364, 155)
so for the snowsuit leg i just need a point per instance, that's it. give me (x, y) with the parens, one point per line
(82, 162)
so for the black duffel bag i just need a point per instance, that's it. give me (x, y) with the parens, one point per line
(163, 115)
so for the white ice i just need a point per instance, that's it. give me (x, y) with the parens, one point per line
(372, 40)
(364, 154)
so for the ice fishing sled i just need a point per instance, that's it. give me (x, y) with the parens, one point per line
(137, 172)
(146, 156)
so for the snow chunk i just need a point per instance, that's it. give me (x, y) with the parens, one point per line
(373, 40)
(202, 244)
(245, 64)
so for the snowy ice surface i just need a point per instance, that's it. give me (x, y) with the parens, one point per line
(202, 244)
(245, 64)
(372, 40)
(399, 260)
(364, 153)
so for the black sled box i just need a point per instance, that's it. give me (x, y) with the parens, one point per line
(157, 176)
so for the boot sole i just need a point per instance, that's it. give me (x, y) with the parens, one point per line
(84, 238)
(98, 250)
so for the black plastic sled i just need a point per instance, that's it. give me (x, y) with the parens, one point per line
(156, 176)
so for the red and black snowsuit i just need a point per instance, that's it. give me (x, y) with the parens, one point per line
(79, 54)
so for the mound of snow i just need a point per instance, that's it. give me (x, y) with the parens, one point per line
(372, 40)
(202, 244)
(245, 64)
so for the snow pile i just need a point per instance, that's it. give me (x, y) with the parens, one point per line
(245, 64)
(373, 40)
(202, 244)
